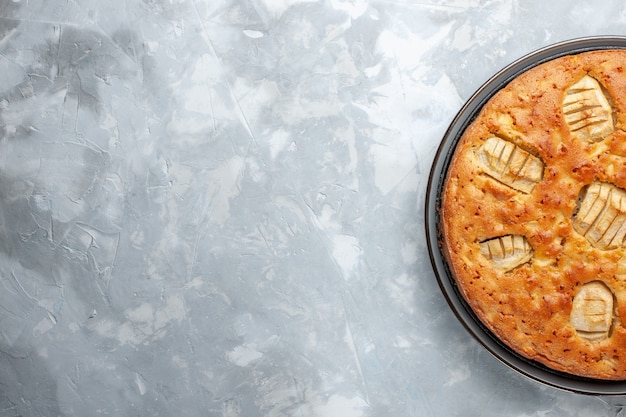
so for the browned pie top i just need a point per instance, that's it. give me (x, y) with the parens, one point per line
(534, 214)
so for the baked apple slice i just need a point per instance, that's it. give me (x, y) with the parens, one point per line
(510, 164)
(588, 111)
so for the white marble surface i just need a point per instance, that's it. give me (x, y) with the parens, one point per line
(215, 208)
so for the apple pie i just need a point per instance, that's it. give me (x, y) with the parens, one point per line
(533, 214)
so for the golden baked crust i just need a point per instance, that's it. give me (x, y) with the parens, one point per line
(533, 214)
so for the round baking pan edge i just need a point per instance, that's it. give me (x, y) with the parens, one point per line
(461, 309)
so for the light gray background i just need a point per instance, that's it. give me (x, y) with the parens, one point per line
(215, 208)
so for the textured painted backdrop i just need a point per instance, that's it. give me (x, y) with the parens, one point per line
(215, 208)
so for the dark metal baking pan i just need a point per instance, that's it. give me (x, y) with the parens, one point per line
(466, 316)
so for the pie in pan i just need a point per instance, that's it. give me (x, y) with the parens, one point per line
(533, 214)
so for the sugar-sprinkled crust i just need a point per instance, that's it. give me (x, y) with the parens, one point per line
(533, 214)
